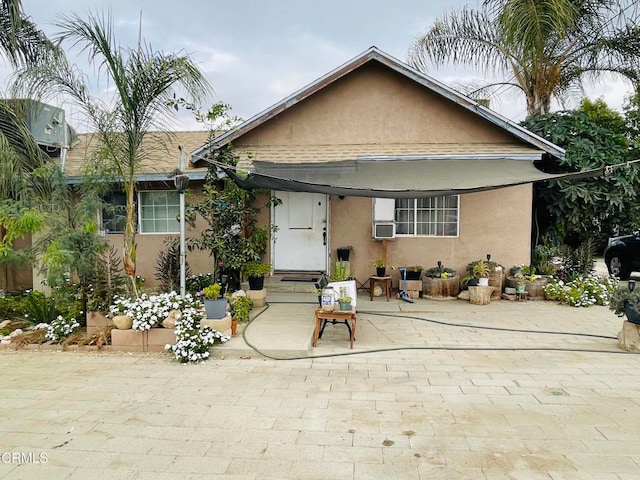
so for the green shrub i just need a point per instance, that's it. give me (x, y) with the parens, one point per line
(168, 267)
(11, 306)
(256, 269)
(39, 309)
(241, 308)
(197, 283)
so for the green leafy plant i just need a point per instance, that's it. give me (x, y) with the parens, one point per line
(196, 283)
(621, 296)
(109, 282)
(256, 269)
(212, 291)
(39, 308)
(440, 272)
(574, 210)
(379, 263)
(240, 308)
(543, 258)
(168, 266)
(11, 306)
(481, 269)
(488, 266)
(340, 272)
(232, 233)
(577, 262)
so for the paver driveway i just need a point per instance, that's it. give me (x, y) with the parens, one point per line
(410, 414)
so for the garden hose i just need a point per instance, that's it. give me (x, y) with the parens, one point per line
(436, 348)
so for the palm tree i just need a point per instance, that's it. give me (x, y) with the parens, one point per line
(21, 161)
(544, 48)
(144, 82)
(21, 43)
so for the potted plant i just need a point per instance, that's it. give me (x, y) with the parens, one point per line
(534, 284)
(343, 253)
(318, 292)
(255, 272)
(440, 282)
(440, 271)
(215, 305)
(345, 302)
(381, 268)
(414, 272)
(340, 273)
(240, 311)
(481, 271)
(625, 300)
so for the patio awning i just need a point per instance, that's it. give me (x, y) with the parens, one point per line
(397, 178)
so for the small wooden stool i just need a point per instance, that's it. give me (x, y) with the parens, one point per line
(521, 296)
(336, 315)
(384, 282)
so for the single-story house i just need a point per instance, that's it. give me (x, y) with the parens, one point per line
(378, 156)
(373, 155)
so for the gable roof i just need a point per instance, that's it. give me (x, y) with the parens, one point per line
(373, 54)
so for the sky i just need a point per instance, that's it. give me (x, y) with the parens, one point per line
(257, 52)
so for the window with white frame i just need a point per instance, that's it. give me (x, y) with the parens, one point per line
(428, 217)
(159, 211)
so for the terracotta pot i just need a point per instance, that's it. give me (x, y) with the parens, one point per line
(234, 326)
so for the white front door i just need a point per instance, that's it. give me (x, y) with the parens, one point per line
(301, 237)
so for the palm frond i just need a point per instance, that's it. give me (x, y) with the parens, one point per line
(467, 36)
(21, 42)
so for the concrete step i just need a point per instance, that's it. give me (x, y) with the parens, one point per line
(275, 283)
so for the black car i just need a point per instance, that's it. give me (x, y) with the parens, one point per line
(622, 255)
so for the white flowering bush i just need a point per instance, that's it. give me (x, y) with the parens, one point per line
(583, 291)
(61, 327)
(192, 341)
(149, 310)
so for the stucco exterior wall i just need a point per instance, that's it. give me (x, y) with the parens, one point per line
(496, 222)
(374, 105)
(150, 245)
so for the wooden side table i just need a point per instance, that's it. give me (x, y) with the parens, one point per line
(338, 315)
(384, 282)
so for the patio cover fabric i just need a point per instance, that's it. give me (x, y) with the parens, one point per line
(404, 178)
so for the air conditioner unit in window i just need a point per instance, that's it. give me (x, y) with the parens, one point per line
(384, 230)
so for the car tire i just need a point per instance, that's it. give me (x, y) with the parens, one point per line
(618, 267)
